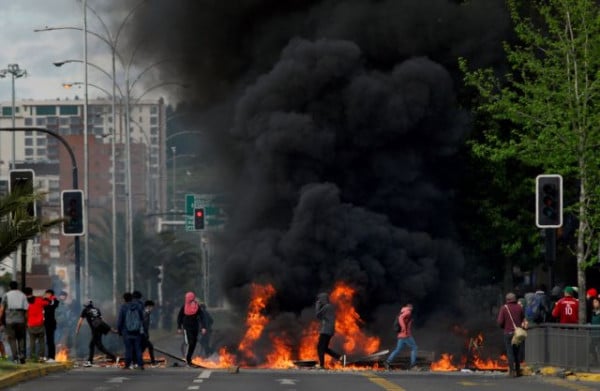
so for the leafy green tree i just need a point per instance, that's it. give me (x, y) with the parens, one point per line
(545, 111)
(16, 226)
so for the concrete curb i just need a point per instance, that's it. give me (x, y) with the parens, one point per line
(20, 375)
(569, 375)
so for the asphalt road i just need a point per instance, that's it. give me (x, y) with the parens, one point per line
(184, 379)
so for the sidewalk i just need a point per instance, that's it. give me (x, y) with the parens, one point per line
(22, 373)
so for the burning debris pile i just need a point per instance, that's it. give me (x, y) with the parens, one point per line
(279, 350)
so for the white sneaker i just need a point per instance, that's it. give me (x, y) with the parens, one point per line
(51, 361)
(343, 360)
(87, 364)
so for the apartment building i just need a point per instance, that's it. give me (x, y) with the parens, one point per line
(35, 149)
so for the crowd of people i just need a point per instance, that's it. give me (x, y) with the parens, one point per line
(534, 308)
(33, 326)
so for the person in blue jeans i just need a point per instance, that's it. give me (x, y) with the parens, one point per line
(132, 339)
(404, 337)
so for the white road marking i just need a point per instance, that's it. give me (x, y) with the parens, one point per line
(193, 388)
(198, 380)
(291, 382)
(117, 379)
(204, 375)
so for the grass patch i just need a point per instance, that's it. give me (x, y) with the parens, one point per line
(7, 366)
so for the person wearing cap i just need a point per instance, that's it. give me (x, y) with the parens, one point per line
(510, 315)
(589, 296)
(566, 310)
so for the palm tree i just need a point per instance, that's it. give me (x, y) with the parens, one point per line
(16, 225)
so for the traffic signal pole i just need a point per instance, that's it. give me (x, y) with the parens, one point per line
(77, 244)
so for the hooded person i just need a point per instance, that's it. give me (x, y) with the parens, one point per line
(404, 337)
(325, 313)
(98, 327)
(190, 322)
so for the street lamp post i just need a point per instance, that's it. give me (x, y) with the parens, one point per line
(16, 72)
(173, 201)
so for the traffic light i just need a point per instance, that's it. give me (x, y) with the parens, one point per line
(22, 180)
(549, 201)
(199, 218)
(71, 205)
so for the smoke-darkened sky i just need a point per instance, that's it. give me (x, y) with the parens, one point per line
(339, 125)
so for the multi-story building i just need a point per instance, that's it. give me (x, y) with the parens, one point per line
(34, 149)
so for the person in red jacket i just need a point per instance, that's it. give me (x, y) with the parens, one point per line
(35, 325)
(566, 310)
(404, 337)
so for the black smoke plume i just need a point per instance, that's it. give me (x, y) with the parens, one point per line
(339, 124)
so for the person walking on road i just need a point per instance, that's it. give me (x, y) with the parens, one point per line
(511, 315)
(405, 337)
(325, 313)
(190, 322)
(13, 308)
(146, 343)
(131, 327)
(98, 328)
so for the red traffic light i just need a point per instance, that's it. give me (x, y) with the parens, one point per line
(199, 213)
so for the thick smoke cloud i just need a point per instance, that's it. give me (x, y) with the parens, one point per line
(341, 124)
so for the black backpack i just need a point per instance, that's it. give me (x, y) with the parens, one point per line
(396, 326)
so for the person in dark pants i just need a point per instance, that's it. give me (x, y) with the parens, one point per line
(510, 315)
(146, 344)
(13, 309)
(190, 322)
(325, 313)
(98, 328)
(131, 330)
(50, 323)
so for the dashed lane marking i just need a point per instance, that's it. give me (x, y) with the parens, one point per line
(383, 383)
(204, 375)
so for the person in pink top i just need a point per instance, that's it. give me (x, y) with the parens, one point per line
(510, 315)
(566, 310)
(404, 337)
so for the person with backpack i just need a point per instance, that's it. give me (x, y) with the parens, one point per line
(98, 328)
(131, 327)
(537, 307)
(404, 335)
(190, 322)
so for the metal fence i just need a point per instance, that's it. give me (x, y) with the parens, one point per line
(574, 346)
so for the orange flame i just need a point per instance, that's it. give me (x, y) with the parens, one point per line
(474, 359)
(255, 320)
(62, 355)
(444, 364)
(223, 360)
(280, 356)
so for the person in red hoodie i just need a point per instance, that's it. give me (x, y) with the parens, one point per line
(35, 325)
(404, 337)
(566, 310)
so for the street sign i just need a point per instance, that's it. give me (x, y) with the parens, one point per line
(215, 216)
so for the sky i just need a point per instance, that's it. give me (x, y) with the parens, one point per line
(36, 51)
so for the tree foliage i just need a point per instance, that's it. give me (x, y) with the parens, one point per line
(545, 111)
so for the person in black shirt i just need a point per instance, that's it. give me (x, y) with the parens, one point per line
(50, 323)
(190, 321)
(98, 328)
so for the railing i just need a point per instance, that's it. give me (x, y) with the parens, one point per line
(569, 346)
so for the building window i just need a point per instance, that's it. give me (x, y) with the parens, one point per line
(28, 151)
(6, 111)
(45, 110)
(40, 121)
(98, 120)
(41, 141)
(68, 110)
(153, 120)
(76, 121)
(64, 120)
(41, 151)
(52, 120)
(153, 109)
(28, 121)
(28, 142)
(154, 130)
